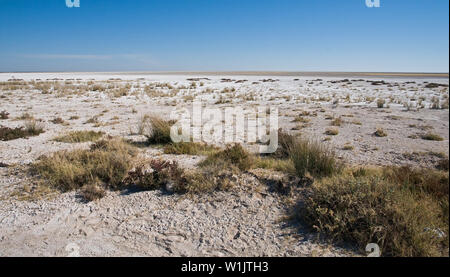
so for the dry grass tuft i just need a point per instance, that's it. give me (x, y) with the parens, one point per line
(107, 161)
(332, 132)
(31, 128)
(315, 158)
(93, 192)
(79, 136)
(337, 122)
(380, 132)
(160, 131)
(431, 136)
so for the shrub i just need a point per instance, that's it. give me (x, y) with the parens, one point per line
(31, 128)
(107, 161)
(57, 120)
(402, 210)
(233, 154)
(332, 132)
(380, 132)
(380, 103)
(314, 158)
(79, 136)
(431, 136)
(4, 115)
(336, 122)
(156, 174)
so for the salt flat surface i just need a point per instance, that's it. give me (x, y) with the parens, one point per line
(148, 223)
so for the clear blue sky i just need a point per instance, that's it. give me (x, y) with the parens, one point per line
(220, 35)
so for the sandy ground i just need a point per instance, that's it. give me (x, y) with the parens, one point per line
(244, 222)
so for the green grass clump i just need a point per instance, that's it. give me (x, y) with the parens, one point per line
(403, 210)
(234, 155)
(79, 136)
(315, 158)
(190, 148)
(282, 165)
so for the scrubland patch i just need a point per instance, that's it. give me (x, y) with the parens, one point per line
(404, 211)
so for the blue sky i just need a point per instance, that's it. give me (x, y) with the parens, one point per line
(221, 35)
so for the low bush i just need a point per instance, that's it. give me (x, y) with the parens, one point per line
(31, 128)
(234, 155)
(431, 136)
(404, 211)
